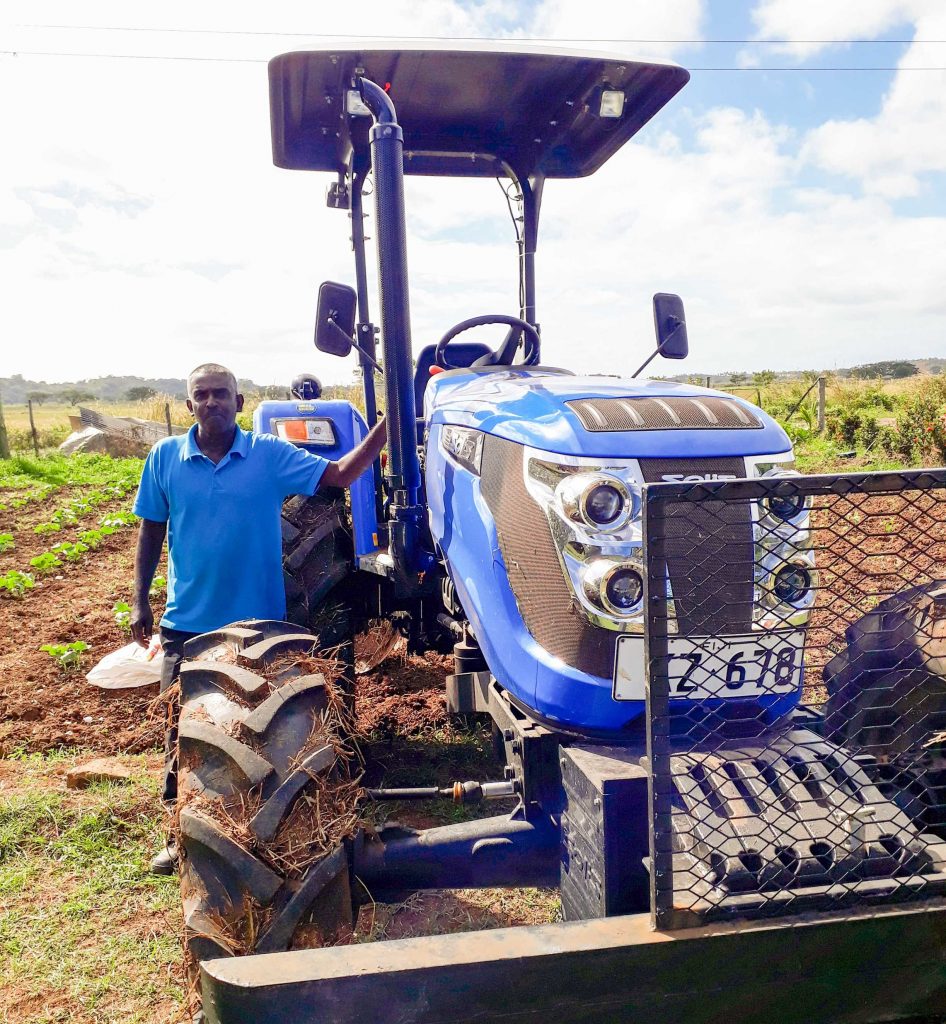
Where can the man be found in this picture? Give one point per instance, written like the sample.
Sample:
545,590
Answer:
216,492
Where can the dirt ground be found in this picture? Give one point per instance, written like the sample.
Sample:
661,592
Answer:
867,547
50,720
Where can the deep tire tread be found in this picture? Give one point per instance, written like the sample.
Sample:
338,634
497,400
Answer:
260,757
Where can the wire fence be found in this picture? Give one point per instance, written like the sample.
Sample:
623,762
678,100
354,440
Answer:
796,694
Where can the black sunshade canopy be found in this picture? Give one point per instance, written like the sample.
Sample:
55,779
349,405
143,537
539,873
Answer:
537,111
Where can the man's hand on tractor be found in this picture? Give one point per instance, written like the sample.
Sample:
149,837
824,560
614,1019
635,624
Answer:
349,467
142,622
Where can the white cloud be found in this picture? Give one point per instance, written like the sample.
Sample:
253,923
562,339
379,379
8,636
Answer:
809,26
620,20
891,152
143,227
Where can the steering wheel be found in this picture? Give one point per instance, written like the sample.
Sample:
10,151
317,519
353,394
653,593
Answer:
504,355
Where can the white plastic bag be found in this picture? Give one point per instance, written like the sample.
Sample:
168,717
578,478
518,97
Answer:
129,667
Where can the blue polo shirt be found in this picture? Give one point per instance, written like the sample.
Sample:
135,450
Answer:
224,531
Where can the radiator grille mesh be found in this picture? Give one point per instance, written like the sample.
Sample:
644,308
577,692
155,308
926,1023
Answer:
535,573
619,414
709,551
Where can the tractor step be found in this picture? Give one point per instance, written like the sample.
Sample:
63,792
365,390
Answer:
888,965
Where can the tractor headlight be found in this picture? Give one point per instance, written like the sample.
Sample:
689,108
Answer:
614,586
792,583
594,513
786,506
464,445
597,500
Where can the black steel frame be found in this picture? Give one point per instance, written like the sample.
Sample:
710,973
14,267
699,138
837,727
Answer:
660,742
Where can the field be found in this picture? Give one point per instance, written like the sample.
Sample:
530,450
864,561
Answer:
52,419
86,934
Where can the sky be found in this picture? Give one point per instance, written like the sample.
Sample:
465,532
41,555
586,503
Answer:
796,204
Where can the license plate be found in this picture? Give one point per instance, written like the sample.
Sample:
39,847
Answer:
732,666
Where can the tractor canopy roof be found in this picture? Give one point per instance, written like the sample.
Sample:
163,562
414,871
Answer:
465,112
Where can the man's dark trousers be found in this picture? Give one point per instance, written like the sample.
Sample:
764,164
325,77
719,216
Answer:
172,643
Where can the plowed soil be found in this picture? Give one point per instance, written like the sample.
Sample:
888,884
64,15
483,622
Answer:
868,547
41,706
44,708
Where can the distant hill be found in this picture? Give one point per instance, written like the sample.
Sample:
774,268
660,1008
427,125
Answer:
16,389
746,377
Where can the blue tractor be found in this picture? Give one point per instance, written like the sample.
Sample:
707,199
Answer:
511,521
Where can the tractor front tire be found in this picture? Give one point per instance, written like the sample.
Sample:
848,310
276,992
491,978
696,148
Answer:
266,805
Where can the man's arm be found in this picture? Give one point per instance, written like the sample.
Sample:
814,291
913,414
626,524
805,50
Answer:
150,542
350,466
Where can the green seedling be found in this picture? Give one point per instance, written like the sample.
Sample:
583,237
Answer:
44,528
70,552
46,562
122,611
119,519
158,586
17,502
91,538
6,542
67,656
15,583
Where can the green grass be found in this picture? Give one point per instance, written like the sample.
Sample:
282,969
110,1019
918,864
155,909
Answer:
86,933
820,454
55,470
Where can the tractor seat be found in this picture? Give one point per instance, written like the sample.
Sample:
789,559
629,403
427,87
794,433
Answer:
462,353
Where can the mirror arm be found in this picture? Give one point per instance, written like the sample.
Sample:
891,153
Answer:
679,323
354,344
645,363
370,360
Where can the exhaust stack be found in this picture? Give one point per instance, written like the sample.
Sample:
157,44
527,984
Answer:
387,161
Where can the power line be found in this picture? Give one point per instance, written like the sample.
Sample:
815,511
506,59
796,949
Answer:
264,60
483,39
135,56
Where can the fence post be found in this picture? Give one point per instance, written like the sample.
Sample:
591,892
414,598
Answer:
4,443
821,403
708,379
167,417
29,406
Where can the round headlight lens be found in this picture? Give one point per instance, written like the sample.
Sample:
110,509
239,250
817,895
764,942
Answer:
786,506
603,504
617,588
599,501
623,589
792,583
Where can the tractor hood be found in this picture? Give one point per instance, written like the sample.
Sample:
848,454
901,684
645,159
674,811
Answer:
570,415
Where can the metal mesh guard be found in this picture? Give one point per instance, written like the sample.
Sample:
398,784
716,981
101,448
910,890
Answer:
799,764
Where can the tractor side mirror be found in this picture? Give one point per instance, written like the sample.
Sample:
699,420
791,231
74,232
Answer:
671,326
335,319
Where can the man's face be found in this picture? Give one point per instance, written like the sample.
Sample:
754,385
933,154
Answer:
214,403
